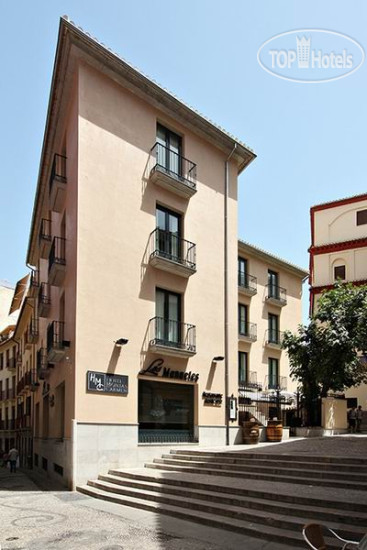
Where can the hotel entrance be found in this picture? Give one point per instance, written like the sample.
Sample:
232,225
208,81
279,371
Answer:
166,412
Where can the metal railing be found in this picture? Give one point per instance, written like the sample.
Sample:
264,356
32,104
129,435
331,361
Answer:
35,278
274,337
247,281
8,393
274,382
7,424
45,229
58,171
250,382
249,330
276,293
55,335
172,334
11,363
41,361
57,253
173,164
166,244
33,331
166,436
44,295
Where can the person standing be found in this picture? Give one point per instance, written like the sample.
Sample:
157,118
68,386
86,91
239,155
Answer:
13,457
359,416
352,420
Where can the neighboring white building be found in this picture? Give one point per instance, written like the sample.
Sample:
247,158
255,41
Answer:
339,251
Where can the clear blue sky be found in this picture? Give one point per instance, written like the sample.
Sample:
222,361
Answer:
310,138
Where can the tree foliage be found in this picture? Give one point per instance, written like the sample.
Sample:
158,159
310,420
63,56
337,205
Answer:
325,355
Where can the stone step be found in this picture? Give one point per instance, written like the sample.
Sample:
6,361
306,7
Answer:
222,485
206,470
267,531
320,512
242,459
276,456
283,471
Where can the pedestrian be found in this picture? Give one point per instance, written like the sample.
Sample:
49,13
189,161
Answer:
359,416
352,414
13,457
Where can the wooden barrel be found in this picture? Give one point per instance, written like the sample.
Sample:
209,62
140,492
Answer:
250,431
274,430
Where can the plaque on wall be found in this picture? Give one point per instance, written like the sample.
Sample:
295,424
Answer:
102,382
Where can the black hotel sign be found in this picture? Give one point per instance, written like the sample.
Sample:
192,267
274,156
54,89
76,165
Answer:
102,382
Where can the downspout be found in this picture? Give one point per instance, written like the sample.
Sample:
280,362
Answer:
226,286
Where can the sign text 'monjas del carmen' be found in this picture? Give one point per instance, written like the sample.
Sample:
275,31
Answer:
107,383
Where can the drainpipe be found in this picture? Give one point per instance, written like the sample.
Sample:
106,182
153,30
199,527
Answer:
226,286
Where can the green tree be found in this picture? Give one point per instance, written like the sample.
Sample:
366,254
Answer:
326,354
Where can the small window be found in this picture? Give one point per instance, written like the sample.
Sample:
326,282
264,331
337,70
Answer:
339,272
362,217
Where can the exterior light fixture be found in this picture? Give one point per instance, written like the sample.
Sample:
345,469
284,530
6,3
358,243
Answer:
218,358
121,342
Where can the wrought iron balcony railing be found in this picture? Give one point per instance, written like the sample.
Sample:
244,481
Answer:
57,253
34,280
248,330
55,336
45,230
170,246
33,331
250,382
274,337
174,165
58,171
276,293
274,382
246,281
42,363
172,334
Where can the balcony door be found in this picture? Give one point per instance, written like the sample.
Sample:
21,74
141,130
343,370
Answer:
168,313
242,272
168,235
273,373
169,150
273,325
273,282
243,319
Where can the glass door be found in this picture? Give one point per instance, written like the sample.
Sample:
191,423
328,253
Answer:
242,319
169,150
168,313
273,284
168,234
242,272
273,325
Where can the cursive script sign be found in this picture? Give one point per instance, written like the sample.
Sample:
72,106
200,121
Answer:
157,368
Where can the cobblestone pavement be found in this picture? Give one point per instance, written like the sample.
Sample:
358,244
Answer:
36,519
341,445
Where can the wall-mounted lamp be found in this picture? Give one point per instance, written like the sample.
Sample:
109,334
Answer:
218,358
121,342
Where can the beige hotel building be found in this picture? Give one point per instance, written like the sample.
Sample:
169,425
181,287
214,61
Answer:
136,273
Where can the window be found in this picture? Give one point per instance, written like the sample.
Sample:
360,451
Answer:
273,284
242,319
168,313
273,326
339,272
362,217
273,373
169,150
242,272
242,368
169,233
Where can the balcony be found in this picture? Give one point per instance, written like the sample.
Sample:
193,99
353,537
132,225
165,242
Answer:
57,262
173,338
247,284
44,300
34,283
274,338
276,295
11,364
172,171
45,239
250,383
56,345
171,253
247,332
42,364
32,333
58,183
274,382
8,394
7,425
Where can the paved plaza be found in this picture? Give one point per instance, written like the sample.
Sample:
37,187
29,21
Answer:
38,515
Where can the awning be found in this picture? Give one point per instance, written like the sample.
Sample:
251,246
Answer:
19,292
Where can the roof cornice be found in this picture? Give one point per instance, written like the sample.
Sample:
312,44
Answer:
248,248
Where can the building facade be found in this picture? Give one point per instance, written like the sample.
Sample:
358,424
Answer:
269,302
339,252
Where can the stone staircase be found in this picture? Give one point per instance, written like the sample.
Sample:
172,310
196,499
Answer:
270,496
